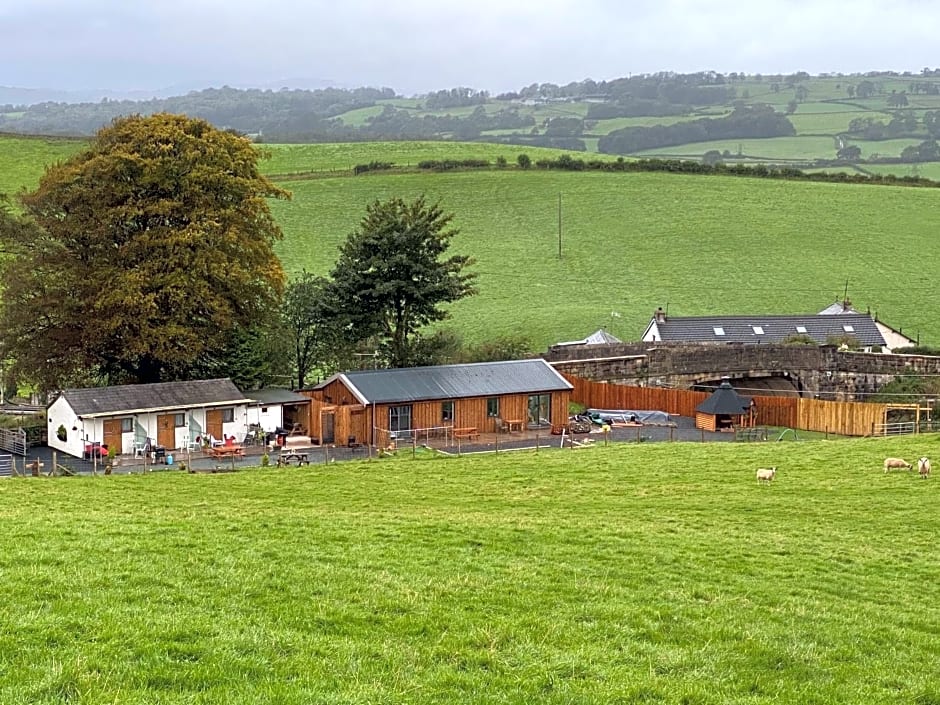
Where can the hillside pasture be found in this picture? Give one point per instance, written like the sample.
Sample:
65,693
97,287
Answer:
778,149
24,159
703,245
656,573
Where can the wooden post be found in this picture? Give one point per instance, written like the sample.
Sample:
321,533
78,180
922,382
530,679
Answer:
703,435
497,439
414,445
55,463
536,441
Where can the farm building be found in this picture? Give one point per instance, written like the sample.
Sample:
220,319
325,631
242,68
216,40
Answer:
894,338
379,406
173,414
725,410
759,329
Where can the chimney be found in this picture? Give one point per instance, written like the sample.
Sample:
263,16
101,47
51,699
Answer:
659,315
846,304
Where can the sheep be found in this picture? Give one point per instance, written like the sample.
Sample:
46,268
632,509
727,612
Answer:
895,463
766,474
923,467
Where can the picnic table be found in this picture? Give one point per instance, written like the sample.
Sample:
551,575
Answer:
469,433
294,455
223,451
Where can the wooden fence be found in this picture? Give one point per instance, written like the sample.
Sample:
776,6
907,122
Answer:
842,418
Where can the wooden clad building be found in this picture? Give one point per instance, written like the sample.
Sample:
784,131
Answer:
377,406
724,410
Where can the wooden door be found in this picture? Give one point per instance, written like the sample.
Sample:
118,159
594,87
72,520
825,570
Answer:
214,423
166,431
328,424
112,435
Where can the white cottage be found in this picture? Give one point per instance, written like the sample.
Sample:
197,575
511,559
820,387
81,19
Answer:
173,414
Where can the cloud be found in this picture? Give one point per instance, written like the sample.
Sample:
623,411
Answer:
420,45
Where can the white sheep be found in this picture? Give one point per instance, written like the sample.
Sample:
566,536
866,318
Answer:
923,467
896,463
766,474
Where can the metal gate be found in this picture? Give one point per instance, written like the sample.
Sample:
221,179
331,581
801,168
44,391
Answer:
13,440
6,465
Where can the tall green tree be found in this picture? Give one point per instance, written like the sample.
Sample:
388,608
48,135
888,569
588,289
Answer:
393,276
138,256
315,326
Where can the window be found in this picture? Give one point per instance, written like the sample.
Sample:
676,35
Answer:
127,425
447,411
848,329
492,407
540,409
264,409
719,330
228,415
179,420
801,329
399,418
758,330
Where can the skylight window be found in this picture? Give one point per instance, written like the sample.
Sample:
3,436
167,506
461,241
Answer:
801,329
758,330
719,330
848,329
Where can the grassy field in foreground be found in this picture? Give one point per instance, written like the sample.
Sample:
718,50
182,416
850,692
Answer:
703,245
655,573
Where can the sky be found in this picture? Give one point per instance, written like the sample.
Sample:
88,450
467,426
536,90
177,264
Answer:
416,46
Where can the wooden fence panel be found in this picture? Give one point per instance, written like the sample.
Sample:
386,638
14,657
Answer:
842,418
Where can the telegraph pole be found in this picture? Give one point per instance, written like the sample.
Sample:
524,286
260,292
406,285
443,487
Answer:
559,226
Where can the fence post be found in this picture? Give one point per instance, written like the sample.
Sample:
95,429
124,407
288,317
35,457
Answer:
497,439
414,445
703,435
536,441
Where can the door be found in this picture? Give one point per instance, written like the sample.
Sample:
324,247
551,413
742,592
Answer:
540,409
166,431
112,435
328,421
214,423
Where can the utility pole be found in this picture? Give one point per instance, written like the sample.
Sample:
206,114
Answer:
559,226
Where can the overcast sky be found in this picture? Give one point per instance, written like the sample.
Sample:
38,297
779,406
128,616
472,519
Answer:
416,46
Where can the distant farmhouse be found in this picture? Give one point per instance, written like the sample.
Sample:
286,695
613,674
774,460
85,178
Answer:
822,328
894,338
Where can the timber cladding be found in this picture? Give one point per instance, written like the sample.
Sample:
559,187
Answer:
333,421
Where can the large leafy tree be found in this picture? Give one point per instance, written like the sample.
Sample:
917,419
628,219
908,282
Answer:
140,256
314,325
392,276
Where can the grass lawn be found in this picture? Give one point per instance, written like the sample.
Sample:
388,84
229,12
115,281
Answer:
632,242
659,573
24,159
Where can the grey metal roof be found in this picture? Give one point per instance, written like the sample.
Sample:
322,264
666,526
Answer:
776,329
272,395
598,337
480,379
135,398
724,400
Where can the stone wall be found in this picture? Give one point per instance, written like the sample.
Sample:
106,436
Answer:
811,370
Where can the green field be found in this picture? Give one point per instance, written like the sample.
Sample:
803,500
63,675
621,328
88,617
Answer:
653,573
24,159
632,242
782,149
301,158
702,245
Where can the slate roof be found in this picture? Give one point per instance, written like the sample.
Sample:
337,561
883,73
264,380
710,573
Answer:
271,395
725,400
142,398
480,379
775,329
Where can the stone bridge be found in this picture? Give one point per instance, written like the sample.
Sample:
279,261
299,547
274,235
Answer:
808,370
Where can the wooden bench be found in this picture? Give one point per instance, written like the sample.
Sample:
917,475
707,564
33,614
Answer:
468,433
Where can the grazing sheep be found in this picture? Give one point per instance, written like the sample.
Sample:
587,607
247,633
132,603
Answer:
766,474
923,467
896,463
